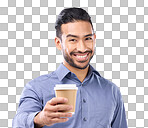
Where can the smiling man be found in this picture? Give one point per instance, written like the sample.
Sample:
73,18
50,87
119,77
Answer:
77,44
99,103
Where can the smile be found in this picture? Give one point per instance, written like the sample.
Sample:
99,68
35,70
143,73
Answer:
81,56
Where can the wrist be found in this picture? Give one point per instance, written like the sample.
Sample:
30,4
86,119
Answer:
37,121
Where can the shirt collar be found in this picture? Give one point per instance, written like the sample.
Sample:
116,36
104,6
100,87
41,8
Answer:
62,71
92,70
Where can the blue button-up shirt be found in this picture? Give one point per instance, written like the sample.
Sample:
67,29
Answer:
99,103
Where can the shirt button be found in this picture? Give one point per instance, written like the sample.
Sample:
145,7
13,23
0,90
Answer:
84,100
84,119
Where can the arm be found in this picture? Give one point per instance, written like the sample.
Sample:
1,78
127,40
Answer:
31,112
119,119
29,106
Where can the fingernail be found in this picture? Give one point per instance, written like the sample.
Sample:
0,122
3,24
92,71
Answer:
70,107
66,100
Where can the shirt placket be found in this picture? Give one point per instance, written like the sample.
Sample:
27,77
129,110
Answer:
84,104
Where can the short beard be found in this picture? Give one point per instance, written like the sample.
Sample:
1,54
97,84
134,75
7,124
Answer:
71,62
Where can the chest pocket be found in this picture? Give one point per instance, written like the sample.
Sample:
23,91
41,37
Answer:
104,117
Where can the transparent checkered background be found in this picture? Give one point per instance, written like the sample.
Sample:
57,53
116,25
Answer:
27,49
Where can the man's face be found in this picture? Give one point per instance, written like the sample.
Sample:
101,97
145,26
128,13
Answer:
78,43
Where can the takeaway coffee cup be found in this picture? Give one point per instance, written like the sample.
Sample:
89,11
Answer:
68,91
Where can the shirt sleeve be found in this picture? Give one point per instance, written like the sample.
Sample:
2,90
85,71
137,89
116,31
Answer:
30,104
119,118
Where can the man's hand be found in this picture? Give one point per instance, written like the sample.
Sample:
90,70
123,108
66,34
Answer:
53,112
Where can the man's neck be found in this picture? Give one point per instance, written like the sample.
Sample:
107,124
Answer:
80,73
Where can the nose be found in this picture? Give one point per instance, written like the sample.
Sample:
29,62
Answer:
81,46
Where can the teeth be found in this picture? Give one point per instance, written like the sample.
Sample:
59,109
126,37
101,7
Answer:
81,56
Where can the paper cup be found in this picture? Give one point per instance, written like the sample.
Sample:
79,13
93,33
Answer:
68,91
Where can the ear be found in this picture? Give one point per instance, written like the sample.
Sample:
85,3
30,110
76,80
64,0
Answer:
95,38
94,35
58,43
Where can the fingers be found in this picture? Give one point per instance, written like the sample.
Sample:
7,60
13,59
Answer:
60,114
59,120
59,100
51,121
60,107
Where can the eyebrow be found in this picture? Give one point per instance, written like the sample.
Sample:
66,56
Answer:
70,35
89,35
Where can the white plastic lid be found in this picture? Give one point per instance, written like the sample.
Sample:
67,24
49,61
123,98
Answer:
65,86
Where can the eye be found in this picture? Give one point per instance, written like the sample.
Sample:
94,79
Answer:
88,38
72,40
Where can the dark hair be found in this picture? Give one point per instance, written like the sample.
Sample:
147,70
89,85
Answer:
71,15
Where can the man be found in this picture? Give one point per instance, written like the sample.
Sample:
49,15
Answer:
99,103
